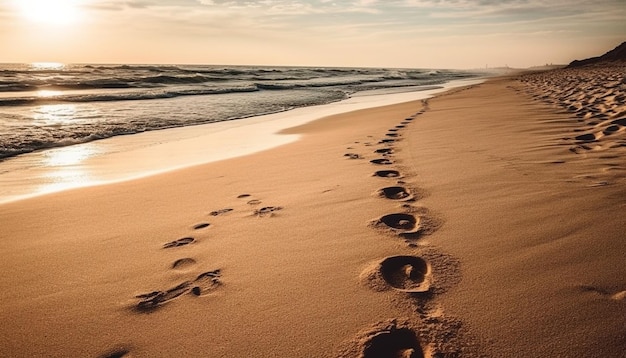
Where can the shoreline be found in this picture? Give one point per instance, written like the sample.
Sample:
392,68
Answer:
140,155
459,226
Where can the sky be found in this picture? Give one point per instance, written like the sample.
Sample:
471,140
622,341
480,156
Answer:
458,34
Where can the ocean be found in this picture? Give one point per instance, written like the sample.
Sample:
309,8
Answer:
50,105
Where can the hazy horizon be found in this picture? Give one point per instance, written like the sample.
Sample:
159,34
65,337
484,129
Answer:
459,34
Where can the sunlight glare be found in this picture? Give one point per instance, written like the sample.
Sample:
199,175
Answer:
65,178
54,114
51,12
48,93
47,66
68,156
66,168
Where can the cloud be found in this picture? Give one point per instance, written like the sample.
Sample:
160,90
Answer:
137,4
371,17
341,28
295,6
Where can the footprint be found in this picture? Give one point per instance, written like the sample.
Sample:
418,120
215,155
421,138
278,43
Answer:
201,226
220,212
610,294
353,156
590,137
387,174
384,151
203,284
391,134
384,141
406,273
206,282
381,161
580,149
254,202
611,129
116,353
395,193
152,300
243,196
401,223
394,341
267,211
179,242
183,263
400,126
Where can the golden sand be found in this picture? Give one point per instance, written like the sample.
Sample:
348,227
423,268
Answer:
468,225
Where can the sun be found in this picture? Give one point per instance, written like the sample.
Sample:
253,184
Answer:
51,12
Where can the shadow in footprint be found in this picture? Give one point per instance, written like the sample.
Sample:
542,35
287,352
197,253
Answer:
183,263
220,212
393,342
381,161
384,151
243,196
604,293
406,273
152,300
611,129
395,193
203,284
206,282
180,242
412,225
267,211
201,226
586,138
116,353
401,223
353,156
387,174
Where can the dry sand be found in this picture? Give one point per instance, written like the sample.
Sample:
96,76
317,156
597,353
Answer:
472,224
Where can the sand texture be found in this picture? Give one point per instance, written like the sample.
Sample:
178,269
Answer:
474,224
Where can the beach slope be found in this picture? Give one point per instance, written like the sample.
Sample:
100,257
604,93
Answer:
472,224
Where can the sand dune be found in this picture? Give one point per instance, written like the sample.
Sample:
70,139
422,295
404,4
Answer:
596,95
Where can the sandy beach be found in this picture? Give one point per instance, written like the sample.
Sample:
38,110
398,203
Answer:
485,222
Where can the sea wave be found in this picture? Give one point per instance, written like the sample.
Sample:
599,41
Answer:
63,105
125,96
77,77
